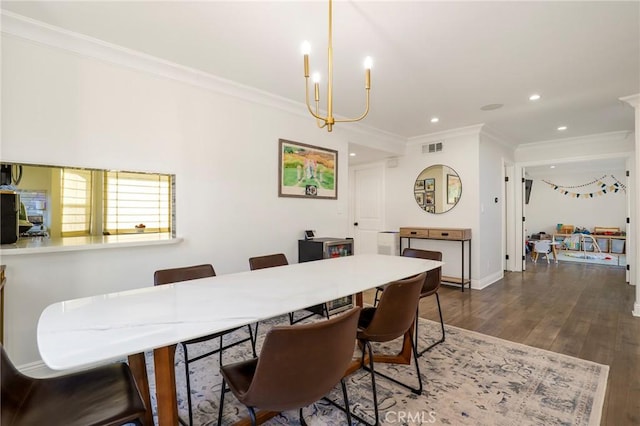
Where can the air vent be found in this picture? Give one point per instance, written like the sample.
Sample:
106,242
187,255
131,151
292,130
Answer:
432,147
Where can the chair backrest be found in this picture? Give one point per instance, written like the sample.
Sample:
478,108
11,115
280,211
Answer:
186,273
396,310
268,261
300,364
15,388
542,246
434,276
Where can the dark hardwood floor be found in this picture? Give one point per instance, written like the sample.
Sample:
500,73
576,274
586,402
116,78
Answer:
576,309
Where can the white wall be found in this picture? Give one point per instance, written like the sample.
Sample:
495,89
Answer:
461,153
65,108
548,207
491,233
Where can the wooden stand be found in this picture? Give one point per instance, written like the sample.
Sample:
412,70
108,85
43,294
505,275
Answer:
449,234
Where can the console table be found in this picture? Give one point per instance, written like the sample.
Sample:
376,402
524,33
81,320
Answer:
447,234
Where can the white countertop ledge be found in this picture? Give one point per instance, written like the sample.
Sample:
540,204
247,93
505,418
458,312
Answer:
40,245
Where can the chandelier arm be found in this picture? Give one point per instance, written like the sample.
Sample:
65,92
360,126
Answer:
306,86
364,114
321,123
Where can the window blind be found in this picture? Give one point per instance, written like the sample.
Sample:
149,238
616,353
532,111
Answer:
76,202
132,199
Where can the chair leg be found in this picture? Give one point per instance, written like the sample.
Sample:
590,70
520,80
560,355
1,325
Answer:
302,422
373,380
252,415
188,382
253,340
346,401
418,390
376,299
325,308
441,326
221,406
290,318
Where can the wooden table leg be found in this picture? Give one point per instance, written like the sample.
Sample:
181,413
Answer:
138,367
163,360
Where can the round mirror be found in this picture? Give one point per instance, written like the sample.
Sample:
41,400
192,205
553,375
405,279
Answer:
437,189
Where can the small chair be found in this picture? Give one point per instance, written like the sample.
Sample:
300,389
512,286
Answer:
187,273
273,260
541,247
431,286
106,395
298,365
392,318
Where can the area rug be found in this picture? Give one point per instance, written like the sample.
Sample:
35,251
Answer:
470,379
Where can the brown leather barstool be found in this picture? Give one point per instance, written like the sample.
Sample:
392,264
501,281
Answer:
298,365
279,259
105,395
392,318
430,287
187,273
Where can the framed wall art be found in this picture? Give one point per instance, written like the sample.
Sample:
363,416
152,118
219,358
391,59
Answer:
430,198
454,188
430,184
307,171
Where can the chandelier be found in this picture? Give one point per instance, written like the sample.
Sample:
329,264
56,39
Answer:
328,121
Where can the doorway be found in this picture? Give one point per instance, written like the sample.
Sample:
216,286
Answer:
367,205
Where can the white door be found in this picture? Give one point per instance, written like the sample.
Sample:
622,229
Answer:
367,206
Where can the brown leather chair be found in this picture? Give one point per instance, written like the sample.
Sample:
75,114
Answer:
279,259
298,365
430,287
105,395
390,319
187,273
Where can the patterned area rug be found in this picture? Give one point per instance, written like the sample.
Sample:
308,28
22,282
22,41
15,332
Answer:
470,379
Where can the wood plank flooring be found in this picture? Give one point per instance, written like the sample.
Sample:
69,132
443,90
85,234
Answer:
576,309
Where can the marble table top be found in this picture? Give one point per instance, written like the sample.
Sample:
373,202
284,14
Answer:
91,330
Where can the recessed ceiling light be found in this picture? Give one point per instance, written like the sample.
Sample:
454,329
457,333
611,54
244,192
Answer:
491,107
562,128
434,119
552,167
534,97
352,154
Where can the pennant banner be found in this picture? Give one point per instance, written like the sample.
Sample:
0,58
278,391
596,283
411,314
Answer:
604,188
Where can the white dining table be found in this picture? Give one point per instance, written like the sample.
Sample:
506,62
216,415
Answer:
92,330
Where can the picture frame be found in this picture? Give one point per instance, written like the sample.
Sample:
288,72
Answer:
430,209
419,186
420,198
454,188
430,198
307,171
430,184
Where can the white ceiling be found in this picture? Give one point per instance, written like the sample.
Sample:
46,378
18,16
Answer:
444,59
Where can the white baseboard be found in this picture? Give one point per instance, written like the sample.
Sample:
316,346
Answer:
487,281
636,310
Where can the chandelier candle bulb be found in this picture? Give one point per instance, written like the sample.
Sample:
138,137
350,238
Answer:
306,49
328,121
367,72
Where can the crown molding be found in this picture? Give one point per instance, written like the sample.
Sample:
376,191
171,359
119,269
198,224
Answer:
473,130
633,100
617,136
497,137
39,32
